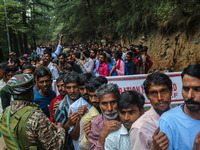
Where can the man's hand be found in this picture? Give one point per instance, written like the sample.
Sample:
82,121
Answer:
55,105
58,125
196,145
160,141
87,128
82,110
71,120
82,62
110,126
54,64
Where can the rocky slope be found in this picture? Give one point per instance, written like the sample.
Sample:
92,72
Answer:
173,52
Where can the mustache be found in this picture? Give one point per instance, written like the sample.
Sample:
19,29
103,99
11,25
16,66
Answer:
191,101
110,113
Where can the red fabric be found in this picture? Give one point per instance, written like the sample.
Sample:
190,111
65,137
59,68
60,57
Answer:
118,65
57,98
103,70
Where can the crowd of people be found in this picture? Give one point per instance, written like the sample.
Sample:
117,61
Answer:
90,113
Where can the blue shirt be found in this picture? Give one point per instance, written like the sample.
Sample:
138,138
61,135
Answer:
34,90
118,140
44,101
110,67
57,52
180,129
96,66
74,107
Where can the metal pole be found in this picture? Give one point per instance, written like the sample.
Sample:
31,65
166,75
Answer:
8,36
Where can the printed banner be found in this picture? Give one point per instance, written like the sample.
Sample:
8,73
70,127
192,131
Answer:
130,82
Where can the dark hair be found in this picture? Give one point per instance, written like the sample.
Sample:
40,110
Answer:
3,66
130,98
133,50
10,69
118,54
77,55
94,50
145,48
47,52
130,54
108,51
62,54
16,61
67,55
23,58
102,80
27,66
103,55
93,84
60,78
192,70
42,72
86,53
84,77
158,79
71,77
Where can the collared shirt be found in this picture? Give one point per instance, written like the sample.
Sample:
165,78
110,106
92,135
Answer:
118,140
74,107
57,98
180,129
2,84
81,66
61,113
121,70
89,65
96,66
103,70
83,142
53,70
97,125
143,129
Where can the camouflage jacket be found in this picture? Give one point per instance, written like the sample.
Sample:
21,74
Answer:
39,129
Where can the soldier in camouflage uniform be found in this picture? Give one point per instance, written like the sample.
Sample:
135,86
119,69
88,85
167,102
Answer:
23,124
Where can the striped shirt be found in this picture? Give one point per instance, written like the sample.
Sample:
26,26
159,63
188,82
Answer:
61,112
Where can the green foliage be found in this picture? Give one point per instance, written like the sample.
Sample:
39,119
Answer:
39,21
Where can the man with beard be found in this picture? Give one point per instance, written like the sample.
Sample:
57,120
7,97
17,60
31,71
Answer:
158,89
45,95
56,101
182,123
130,108
92,85
108,120
49,64
69,115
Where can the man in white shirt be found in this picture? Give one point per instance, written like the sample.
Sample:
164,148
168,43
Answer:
88,64
130,108
49,64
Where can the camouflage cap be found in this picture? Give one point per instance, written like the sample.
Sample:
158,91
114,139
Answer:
20,84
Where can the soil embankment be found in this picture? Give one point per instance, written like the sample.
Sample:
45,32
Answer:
173,52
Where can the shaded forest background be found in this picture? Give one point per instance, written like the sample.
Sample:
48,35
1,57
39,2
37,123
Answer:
34,22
